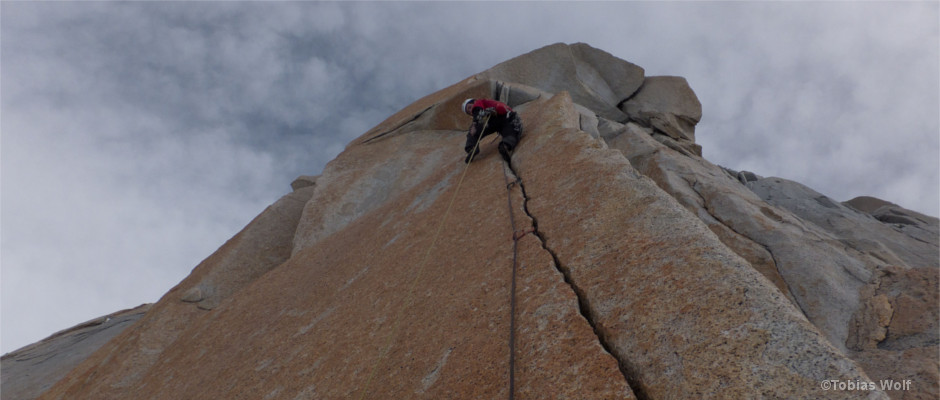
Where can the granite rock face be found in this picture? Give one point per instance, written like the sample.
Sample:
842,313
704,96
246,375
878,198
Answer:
31,370
669,106
607,260
593,78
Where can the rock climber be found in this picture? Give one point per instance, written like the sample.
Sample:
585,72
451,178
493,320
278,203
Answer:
501,119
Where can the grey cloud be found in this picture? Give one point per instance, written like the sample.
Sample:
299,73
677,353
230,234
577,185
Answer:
131,128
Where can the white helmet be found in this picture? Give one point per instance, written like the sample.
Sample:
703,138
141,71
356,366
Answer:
464,105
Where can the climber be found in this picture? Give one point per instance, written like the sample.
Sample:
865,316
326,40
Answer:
501,119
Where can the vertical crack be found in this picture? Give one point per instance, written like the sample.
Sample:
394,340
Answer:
584,307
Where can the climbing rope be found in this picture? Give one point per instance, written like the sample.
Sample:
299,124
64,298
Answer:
512,296
421,266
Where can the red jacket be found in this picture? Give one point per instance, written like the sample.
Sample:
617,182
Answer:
501,108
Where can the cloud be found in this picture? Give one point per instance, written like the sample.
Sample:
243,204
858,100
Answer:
831,95
130,129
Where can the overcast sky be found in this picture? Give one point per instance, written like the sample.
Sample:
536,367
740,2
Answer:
138,137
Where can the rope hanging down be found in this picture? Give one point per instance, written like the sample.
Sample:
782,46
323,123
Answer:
421,266
516,235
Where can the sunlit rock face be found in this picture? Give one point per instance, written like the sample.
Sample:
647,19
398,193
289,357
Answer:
607,260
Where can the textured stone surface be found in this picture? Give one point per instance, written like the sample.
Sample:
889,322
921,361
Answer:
867,204
879,239
316,326
643,270
264,244
821,254
28,372
813,267
303,181
668,106
663,291
895,334
594,78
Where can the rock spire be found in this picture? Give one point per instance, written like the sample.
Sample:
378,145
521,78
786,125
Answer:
641,269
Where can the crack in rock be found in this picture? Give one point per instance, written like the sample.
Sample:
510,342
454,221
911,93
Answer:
584,306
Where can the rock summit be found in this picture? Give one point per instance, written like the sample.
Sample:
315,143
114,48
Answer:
608,260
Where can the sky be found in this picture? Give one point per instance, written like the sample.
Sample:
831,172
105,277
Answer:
137,137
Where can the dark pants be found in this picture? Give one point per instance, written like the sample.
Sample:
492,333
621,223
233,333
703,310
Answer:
508,126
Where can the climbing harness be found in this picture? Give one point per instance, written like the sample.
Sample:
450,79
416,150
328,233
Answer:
421,266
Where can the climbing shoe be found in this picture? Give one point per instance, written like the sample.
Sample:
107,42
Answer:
505,151
470,156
